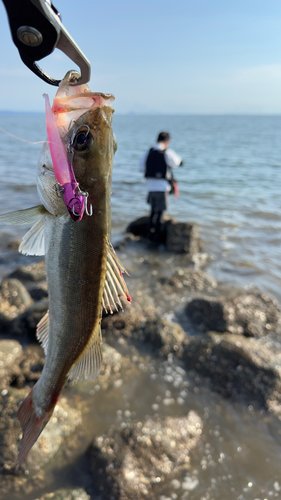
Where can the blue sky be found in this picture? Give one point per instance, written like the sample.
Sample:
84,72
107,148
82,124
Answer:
180,56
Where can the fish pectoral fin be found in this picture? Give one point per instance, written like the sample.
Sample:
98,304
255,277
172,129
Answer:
89,363
21,217
115,286
33,242
42,332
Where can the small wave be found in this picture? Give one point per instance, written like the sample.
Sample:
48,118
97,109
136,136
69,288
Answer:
265,215
22,187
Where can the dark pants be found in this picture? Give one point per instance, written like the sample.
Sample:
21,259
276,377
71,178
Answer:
159,202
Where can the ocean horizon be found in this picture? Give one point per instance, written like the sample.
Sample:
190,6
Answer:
152,113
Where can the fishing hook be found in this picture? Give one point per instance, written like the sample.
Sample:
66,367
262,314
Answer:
91,210
74,213
88,212
86,206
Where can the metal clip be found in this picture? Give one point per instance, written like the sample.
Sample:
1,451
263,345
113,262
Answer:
37,30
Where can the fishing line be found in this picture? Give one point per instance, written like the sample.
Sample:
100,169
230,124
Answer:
19,138
25,140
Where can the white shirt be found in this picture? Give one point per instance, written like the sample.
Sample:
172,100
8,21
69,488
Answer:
172,160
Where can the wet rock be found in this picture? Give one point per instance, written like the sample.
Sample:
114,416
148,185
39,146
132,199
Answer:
27,322
77,494
9,428
63,422
138,227
14,245
179,237
207,314
112,363
256,314
189,280
14,299
10,351
160,335
146,327
27,368
250,314
131,462
182,237
128,238
33,272
38,292
239,368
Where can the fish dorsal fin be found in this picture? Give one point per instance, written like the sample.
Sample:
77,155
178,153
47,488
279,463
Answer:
89,363
42,332
21,217
33,242
115,286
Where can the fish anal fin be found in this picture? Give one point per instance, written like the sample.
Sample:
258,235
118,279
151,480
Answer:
42,332
32,426
21,217
89,363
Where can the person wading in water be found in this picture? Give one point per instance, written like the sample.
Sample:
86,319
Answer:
157,165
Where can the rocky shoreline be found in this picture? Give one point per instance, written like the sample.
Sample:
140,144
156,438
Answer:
182,332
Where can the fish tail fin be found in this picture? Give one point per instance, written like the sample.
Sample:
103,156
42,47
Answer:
32,426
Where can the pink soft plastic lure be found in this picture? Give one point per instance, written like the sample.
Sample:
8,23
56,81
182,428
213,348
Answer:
74,202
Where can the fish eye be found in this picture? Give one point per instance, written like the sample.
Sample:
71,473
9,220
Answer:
82,140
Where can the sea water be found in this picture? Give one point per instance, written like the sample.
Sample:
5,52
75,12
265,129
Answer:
229,184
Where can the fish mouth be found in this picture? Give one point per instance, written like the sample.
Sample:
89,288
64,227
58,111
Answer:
66,90
81,101
71,102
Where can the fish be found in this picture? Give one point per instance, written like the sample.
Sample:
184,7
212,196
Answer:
84,275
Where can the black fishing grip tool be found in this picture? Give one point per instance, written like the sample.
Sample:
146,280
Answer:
37,30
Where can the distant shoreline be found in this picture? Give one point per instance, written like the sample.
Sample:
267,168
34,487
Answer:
7,112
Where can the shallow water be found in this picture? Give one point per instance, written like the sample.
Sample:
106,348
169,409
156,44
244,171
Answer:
230,461
237,457
230,185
